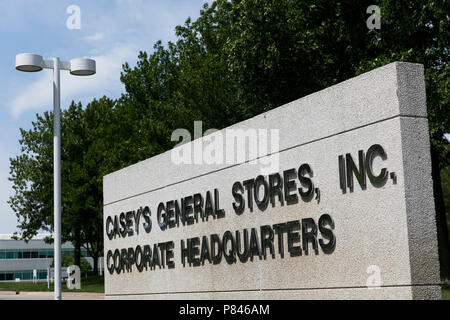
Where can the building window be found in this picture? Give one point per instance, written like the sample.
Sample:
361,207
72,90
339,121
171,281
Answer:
23,275
27,276
66,252
25,254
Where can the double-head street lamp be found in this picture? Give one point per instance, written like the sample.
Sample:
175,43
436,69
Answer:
29,62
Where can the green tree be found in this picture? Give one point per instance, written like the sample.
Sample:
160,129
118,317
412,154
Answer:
66,261
84,161
445,179
244,57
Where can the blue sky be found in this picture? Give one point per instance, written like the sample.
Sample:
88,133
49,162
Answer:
111,31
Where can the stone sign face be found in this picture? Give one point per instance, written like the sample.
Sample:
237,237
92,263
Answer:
336,204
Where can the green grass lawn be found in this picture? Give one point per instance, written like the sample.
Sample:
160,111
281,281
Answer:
446,293
90,284
97,284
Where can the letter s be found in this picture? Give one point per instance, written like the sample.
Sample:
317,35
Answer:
148,223
237,187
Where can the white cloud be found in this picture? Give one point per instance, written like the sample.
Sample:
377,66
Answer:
33,96
95,37
7,217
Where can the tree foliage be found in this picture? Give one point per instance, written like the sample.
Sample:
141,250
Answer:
243,57
84,161
68,260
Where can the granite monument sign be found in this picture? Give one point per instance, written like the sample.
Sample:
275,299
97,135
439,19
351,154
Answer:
337,205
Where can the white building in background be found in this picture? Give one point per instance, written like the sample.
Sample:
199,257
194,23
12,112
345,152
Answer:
18,258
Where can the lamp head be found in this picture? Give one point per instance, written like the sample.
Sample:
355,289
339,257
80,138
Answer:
82,67
29,62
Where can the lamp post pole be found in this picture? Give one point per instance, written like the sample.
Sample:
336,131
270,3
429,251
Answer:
29,62
57,176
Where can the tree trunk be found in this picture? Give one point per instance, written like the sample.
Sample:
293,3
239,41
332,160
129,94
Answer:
77,248
95,257
441,221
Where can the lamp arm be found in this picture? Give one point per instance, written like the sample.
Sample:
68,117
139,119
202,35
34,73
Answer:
63,65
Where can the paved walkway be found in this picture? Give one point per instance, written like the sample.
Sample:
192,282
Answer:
12,295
